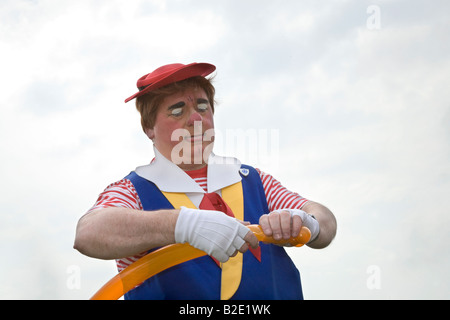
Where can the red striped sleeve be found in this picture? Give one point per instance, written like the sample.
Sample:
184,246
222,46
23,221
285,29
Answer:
278,197
125,262
120,194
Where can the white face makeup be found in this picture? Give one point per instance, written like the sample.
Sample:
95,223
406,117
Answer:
186,116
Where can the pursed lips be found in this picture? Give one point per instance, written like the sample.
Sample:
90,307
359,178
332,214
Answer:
194,138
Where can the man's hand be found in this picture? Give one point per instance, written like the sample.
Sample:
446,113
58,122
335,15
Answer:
286,223
214,232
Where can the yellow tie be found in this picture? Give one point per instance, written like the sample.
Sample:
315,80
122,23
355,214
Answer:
232,269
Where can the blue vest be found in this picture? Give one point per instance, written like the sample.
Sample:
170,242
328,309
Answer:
275,277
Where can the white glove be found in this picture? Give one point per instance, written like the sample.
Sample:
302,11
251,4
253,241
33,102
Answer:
308,221
211,231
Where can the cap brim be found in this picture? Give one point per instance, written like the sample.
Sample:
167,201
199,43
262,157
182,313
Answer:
186,72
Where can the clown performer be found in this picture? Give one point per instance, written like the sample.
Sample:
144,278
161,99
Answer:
186,195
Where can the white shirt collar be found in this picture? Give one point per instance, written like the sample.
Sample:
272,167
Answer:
168,177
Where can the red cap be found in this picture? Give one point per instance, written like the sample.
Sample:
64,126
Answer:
169,74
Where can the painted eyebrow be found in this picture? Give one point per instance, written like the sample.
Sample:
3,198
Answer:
182,104
201,100
177,105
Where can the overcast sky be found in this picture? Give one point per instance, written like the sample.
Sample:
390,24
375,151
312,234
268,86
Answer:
351,99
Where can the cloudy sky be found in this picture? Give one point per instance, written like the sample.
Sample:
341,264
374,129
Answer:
349,101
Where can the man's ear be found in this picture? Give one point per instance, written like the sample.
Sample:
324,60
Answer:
150,133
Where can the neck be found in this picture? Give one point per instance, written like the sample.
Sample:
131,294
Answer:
199,173
191,167
189,164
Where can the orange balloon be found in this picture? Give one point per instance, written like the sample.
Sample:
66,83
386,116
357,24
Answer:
302,238
169,256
